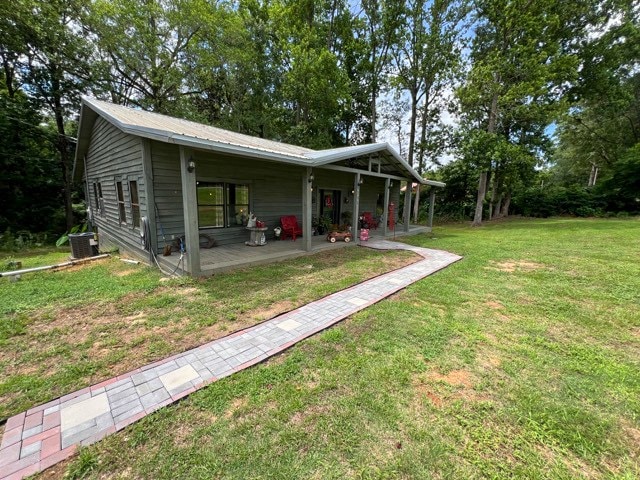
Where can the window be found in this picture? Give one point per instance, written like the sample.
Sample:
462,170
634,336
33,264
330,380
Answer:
222,204
97,197
135,203
122,214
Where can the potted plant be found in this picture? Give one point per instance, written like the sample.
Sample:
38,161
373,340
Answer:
346,217
324,224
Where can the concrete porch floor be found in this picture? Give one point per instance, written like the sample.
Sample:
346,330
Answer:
238,255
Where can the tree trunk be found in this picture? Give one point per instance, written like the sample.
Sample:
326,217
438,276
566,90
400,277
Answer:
63,147
416,204
412,127
494,209
482,181
498,206
482,191
374,114
421,162
505,206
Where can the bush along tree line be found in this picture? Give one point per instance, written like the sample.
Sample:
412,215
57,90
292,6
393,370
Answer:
535,105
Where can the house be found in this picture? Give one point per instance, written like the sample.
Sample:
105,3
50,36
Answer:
151,179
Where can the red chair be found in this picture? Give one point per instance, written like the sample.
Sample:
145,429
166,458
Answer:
369,220
290,227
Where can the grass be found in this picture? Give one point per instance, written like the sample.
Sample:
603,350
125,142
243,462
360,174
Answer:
63,330
522,360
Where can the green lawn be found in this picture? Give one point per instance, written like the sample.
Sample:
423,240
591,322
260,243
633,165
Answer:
522,360
67,329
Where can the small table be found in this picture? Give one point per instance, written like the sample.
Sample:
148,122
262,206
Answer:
255,236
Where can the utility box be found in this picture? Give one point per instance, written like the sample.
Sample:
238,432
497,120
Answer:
81,244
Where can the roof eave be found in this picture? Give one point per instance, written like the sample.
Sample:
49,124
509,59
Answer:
320,159
188,141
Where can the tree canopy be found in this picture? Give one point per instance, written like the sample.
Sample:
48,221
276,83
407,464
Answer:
526,99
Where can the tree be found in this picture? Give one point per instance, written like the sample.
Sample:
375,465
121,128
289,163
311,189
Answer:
31,195
148,48
381,21
516,85
426,59
49,59
604,121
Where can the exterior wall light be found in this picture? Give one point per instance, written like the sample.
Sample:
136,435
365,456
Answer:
191,166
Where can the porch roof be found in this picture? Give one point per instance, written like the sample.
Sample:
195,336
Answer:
167,129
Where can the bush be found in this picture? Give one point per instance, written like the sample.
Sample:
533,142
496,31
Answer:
581,202
22,240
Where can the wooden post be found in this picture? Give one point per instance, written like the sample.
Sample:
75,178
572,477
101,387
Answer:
190,209
407,205
356,206
307,234
432,201
385,211
147,172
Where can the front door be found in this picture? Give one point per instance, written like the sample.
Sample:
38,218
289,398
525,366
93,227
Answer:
330,205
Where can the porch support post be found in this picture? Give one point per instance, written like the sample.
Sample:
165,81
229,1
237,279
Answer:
407,205
190,209
385,212
432,201
147,171
356,206
306,209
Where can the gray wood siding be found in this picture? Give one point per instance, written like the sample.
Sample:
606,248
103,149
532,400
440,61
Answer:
167,188
343,181
115,156
275,190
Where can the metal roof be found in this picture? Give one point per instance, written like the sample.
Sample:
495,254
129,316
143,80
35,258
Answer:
184,132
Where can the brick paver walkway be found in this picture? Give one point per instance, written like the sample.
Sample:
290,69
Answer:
45,435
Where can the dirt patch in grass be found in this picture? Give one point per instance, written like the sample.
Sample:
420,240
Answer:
442,389
455,378
124,273
513,266
494,305
272,310
575,465
236,404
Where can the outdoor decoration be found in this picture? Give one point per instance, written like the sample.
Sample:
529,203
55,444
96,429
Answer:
364,234
241,218
392,216
251,222
334,236
277,231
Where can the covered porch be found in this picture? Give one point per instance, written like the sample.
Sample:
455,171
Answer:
238,255
339,184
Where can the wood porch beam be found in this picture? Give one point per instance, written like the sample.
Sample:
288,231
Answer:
363,172
307,233
407,206
356,206
432,201
385,211
190,209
